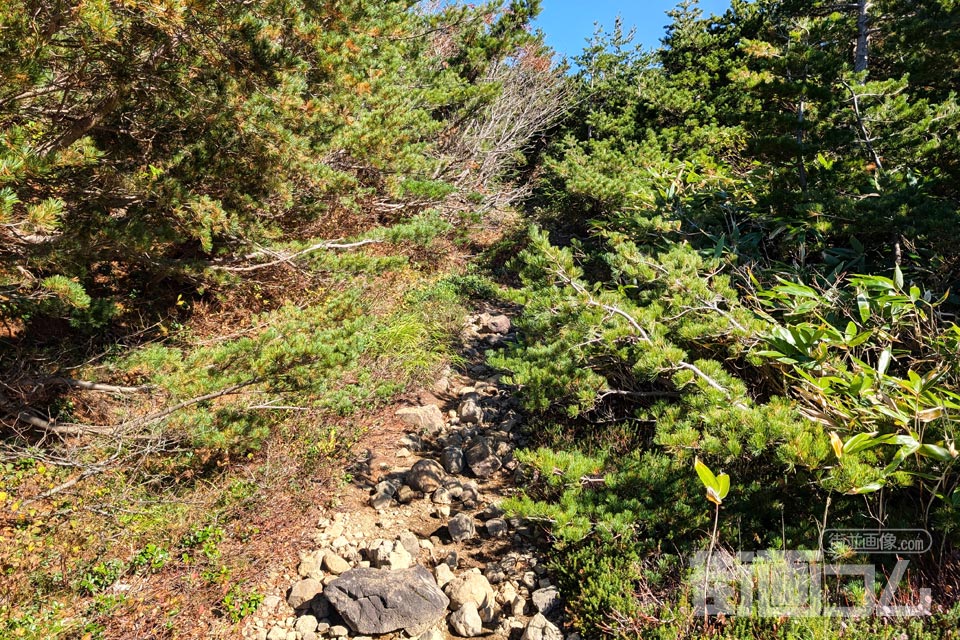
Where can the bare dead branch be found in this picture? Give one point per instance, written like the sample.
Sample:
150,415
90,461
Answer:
289,258
97,386
125,428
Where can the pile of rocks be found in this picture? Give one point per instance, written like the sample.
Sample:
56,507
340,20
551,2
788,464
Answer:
359,582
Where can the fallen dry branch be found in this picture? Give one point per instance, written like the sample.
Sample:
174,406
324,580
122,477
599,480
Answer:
289,258
125,428
97,386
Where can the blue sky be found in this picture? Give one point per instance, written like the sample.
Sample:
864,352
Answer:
569,23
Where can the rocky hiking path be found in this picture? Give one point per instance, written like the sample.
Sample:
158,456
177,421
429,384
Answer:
418,547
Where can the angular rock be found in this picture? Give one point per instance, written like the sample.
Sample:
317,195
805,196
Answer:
410,542
496,527
517,605
382,496
406,495
339,631
375,601
444,574
539,628
306,624
309,567
427,418
488,613
426,476
481,459
389,555
432,634
546,600
334,563
452,460
495,574
466,621
499,324
441,496
471,587
462,527
507,593
399,558
469,494
470,412
303,592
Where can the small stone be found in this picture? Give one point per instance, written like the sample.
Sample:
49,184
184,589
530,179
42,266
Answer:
399,558
452,460
462,527
497,324
470,493
539,628
323,627
277,633
517,606
443,573
546,600
382,495
427,418
426,544
335,529
334,563
338,631
271,602
306,624
441,496
529,580
410,542
466,621
432,634
309,635
469,588
403,452
426,476
481,459
309,567
495,574
443,511
303,591
470,412
406,495
496,527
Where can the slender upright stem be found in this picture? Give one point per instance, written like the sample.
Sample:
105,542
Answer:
706,569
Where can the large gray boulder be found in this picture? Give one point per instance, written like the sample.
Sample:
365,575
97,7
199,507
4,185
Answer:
376,601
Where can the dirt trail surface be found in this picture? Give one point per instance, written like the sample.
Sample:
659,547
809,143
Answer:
417,546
